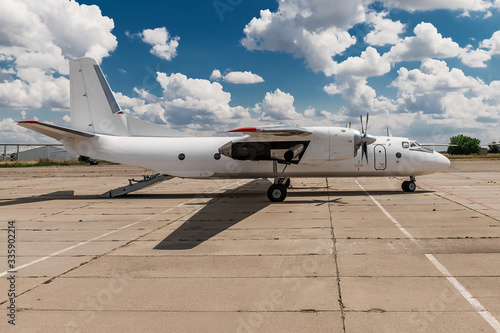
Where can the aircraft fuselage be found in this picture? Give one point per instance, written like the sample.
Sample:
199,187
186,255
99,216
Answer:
199,157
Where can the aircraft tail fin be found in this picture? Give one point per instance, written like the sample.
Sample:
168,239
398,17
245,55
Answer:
93,105
94,108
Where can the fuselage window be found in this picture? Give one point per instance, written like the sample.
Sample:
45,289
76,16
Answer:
406,145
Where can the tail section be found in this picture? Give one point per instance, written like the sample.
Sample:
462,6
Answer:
94,108
93,105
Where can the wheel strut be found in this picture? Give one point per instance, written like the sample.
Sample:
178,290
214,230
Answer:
277,191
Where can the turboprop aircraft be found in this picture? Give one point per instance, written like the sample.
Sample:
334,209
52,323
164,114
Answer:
101,130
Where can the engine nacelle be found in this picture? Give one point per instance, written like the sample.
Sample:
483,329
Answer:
331,144
342,143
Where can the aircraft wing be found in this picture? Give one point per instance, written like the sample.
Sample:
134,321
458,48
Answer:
56,132
280,143
272,131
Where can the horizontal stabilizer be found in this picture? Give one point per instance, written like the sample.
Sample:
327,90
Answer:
57,132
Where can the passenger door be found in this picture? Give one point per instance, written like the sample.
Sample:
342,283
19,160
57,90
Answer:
380,157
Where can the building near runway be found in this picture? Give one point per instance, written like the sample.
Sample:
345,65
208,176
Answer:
33,152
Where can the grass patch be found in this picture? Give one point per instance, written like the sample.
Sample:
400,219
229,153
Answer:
40,162
43,162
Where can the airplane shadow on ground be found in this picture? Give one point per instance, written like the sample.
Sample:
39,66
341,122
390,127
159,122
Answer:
58,195
222,211
231,207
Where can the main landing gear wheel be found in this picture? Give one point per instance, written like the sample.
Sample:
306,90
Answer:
408,186
276,192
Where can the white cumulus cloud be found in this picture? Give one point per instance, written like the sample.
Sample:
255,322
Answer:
315,30
492,44
433,77
474,58
277,105
38,39
236,77
216,75
427,43
164,45
385,30
242,77
474,5
186,104
369,63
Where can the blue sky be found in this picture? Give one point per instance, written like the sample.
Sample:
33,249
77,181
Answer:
427,69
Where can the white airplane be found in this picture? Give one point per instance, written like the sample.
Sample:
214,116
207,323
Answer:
100,130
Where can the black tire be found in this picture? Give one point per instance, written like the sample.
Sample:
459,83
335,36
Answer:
276,192
287,183
411,187
408,186
404,186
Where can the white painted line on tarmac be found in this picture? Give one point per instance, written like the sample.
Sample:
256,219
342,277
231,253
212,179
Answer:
461,289
111,232
474,302
396,223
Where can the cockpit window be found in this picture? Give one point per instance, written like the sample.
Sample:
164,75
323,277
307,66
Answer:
415,146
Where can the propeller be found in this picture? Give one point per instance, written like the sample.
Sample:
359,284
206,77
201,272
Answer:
364,140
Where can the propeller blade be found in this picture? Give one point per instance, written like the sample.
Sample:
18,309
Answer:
362,129
365,139
366,127
364,153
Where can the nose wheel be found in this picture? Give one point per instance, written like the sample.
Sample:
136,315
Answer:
409,185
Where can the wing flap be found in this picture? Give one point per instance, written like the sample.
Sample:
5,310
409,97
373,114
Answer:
56,132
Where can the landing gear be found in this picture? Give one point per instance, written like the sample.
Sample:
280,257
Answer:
277,192
409,186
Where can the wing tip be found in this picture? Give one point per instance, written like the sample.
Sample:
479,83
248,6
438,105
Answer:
28,122
243,130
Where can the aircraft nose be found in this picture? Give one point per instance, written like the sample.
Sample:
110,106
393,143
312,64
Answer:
442,162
